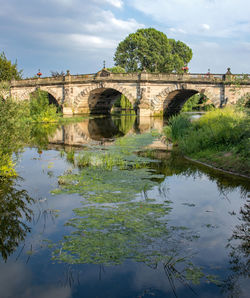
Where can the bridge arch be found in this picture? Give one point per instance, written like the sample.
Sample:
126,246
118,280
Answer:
100,98
171,99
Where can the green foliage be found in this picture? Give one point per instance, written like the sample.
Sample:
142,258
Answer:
197,102
39,134
191,104
123,103
7,169
243,102
8,70
152,50
178,127
222,130
16,131
117,69
125,122
40,109
11,115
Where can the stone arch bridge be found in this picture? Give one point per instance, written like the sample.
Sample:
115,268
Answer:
149,93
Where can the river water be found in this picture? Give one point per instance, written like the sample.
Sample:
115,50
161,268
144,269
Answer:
95,214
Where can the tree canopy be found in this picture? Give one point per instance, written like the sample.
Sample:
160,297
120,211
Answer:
117,69
150,49
8,70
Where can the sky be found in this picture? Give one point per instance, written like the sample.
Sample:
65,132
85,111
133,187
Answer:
78,35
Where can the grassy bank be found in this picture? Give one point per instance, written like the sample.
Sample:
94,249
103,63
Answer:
220,138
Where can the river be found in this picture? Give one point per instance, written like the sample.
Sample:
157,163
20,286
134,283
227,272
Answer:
94,212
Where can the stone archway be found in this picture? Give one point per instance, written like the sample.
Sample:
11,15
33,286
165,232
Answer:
175,101
99,98
174,97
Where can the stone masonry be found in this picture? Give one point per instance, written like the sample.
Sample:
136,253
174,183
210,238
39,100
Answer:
149,93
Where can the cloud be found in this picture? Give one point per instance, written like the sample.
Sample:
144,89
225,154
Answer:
55,32
177,30
224,16
205,26
64,30
116,3
91,41
107,22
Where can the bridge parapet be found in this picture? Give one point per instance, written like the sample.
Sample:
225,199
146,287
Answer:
190,77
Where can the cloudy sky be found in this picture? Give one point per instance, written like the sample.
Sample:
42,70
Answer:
79,34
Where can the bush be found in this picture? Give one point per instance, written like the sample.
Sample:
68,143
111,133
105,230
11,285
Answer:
40,109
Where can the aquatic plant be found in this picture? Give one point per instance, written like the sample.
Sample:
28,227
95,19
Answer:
118,219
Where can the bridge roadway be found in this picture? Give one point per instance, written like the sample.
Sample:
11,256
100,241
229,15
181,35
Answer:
149,93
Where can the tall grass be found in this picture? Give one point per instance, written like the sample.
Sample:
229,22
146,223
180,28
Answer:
221,130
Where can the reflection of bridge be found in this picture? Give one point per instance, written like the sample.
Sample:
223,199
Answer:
148,92
102,130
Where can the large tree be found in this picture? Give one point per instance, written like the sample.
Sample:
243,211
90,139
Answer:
8,70
152,50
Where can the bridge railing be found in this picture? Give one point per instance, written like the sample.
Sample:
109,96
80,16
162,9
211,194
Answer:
206,77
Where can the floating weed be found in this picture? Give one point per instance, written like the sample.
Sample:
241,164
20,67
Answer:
188,204
210,226
101,160
107,186
118,220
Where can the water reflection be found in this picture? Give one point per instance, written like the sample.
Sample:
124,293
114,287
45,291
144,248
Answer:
174,164
15,212
155,217
104,129
239,246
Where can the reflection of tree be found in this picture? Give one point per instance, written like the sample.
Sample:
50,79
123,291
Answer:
239,245
40,133
172,164
125,122
14,211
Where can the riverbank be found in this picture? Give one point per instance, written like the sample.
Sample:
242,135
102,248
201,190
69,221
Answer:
219,138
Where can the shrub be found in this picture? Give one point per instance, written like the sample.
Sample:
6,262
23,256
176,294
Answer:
40,109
